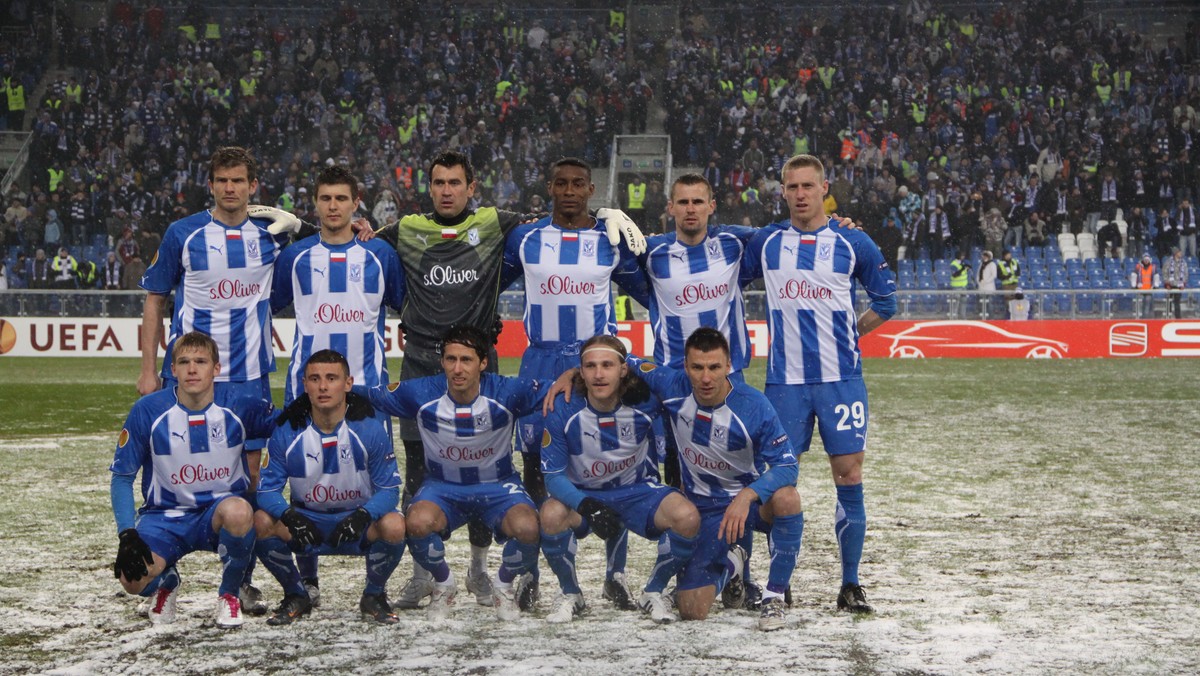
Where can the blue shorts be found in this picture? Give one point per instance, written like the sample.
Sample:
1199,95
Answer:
488,502
542,363
636,504
708,563
224,392
326,522
839,410
171,537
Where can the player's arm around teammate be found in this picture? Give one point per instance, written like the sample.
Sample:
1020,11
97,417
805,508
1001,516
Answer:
601,475
344,482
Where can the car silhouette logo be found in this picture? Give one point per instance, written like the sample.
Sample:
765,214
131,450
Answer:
967,338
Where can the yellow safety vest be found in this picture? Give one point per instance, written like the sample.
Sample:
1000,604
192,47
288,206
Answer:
637,195
624,307
616,19
248,86
75,94
16,97
958,278
212,31
56,177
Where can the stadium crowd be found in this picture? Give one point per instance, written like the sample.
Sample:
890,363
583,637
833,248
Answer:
943,129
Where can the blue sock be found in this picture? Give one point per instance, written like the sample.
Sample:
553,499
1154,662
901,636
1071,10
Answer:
307,565
747,543
236,552
430,553
674,550
785,537
382,559
519,558
727,570
560,554
616,551
277,558
850,525
168,579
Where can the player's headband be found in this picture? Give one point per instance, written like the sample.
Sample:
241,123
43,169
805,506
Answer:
605,348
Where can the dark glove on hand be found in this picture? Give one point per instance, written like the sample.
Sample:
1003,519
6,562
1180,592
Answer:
297,413
358,407
604,521
351,528
133,555
304,531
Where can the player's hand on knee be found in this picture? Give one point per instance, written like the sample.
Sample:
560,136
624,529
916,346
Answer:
604,521
133,556
304,531
281,221
621,226
351,528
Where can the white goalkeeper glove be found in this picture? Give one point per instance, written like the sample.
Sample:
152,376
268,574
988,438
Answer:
620,226
281,221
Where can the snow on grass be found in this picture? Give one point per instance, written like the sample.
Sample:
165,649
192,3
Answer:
1023,518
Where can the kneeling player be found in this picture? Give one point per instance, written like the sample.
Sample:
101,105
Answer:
194,471
727,433
466,420
344,483
601,476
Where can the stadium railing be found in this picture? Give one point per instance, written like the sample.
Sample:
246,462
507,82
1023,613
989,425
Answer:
911,304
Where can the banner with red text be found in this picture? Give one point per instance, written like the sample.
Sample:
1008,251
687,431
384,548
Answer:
95,337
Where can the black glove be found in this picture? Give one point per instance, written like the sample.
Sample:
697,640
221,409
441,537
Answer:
351,528
133,555
497,328
358,407
296,413
304,531
604,521
638,392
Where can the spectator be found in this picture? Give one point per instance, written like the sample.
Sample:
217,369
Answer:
110,272
63,267
132,273
1175,278
1145,277
1185,223
39,271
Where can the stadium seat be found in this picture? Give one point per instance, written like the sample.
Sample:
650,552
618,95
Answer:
1035,253
1070,253
1066,240
1087,245
905,265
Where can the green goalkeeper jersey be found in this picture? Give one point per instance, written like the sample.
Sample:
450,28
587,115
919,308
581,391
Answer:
452,268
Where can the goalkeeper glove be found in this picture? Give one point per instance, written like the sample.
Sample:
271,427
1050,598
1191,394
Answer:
304,531
351,528
281,221
621,226
133,555
604,521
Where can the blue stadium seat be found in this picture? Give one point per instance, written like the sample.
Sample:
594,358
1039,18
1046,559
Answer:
1057,272
905,265
1034,253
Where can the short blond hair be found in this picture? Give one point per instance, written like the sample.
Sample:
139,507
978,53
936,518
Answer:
800,162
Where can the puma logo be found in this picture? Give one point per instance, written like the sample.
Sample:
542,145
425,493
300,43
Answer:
553,246
595,435
679,256
314,456
218,249
180,435
320,271
424,239
790,249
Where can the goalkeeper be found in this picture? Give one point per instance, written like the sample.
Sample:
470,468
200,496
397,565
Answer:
452,259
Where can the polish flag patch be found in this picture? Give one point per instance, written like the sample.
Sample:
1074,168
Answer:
608,422
337,257
328,442
808,239
197,419
570,236
462,413
449,233
233,234
704,416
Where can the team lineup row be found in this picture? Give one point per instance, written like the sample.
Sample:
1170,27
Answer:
596,456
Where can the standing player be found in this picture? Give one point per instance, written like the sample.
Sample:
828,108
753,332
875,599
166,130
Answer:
466,418
339,286
219,263
338,461
452,260
568,267
729,434
814,368
602,475
195,469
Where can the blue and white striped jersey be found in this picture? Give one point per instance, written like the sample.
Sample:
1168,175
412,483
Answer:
221,276
598,450
339,291
464,443
809,279
189,459
695,286
725,448
335,472
568,275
